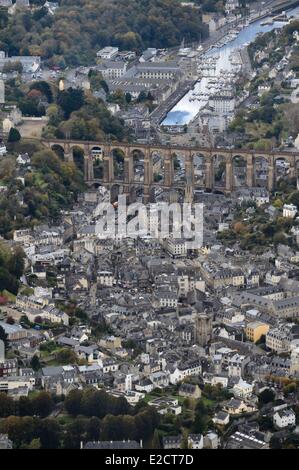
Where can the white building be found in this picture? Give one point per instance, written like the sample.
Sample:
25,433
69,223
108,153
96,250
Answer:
231,6
3,150
157,70
221,418
284,418
23,3
223,226
211,440
2,351
243,389
294,366
262,199
263,89
273,278
236,365
23,159
180,373
112,69
149,54
108,53
219,380
168,299
15,382
195,441
222,103
106,278
278,339
176,247
30,64
33,307
49,237
188,284
296,35
2,92
51,7
289,210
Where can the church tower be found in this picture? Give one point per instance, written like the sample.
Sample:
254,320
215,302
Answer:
203,329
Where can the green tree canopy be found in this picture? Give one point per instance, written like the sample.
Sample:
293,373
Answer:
14,135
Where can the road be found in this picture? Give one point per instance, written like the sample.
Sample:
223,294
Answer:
247,67
57,410
93,294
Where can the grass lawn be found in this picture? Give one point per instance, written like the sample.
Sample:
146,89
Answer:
33,393
25,290
148,397
11,297
65,419
53,363
207,401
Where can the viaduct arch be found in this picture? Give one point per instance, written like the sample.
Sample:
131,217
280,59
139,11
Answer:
147,151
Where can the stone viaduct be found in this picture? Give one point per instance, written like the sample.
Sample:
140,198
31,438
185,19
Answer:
148,151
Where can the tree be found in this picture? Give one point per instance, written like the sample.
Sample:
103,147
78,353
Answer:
290,388
128,97
34,444
20,430
40,13
105,86
72,402
42,404
294,198
49,432
8,282
75,433
118,427
16,262
35,363
14,135
93,429
70,100
184,443
117,97
146,421
13,67
275,443
7,405
142,97
266,396
3,19
265,423
67,356
25,406
4,337
201,418
156,442
44,88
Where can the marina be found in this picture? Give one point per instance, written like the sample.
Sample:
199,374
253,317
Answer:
220,66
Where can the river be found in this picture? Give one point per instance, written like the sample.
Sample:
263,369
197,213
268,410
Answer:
186,110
